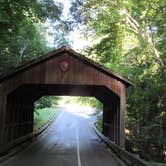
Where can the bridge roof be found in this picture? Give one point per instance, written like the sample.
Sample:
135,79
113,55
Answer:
72,53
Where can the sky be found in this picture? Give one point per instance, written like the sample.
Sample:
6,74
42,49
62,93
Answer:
78,41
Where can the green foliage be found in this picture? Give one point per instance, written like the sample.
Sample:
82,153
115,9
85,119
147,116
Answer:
43,102
43,116
23,33
99,124
46,102
129,38
87,101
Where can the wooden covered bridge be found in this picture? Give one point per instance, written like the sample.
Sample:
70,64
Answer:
60,72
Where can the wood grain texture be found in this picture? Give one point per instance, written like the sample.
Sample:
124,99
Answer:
49,73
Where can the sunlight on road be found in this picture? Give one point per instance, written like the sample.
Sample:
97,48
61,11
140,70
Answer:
84,111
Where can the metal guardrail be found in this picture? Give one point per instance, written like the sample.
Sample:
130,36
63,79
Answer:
127,157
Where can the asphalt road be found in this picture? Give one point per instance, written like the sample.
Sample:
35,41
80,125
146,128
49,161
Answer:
69,141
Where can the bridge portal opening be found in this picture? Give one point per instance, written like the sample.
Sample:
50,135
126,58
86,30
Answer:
48,107
21,105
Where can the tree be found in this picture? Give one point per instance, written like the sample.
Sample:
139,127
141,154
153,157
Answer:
131,40
22,30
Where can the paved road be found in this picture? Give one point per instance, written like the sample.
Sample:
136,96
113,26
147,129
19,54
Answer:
70,141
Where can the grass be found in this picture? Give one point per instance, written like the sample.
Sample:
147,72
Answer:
99,124
42,116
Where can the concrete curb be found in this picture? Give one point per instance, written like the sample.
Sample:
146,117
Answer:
123,155
13,148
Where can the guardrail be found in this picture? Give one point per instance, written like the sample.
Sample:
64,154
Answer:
127,157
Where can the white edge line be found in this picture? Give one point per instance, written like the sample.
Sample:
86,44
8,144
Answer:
78,149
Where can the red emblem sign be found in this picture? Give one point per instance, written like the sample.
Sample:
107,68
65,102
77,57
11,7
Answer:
64,65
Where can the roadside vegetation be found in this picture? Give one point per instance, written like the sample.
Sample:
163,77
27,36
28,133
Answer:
85,101
45,109
42,116
99,123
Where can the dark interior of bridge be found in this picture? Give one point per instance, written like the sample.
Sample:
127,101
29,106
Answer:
20,107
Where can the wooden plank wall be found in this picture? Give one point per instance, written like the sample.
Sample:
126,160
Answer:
49,73
19,118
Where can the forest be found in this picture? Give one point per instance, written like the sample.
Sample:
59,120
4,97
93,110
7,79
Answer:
128,36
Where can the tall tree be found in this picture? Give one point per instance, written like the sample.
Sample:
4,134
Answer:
130,38
23,31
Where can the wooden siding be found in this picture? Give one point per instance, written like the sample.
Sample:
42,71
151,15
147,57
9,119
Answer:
49,72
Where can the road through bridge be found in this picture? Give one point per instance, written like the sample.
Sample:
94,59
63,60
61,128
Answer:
69,141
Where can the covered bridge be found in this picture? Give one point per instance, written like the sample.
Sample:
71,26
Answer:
60,72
